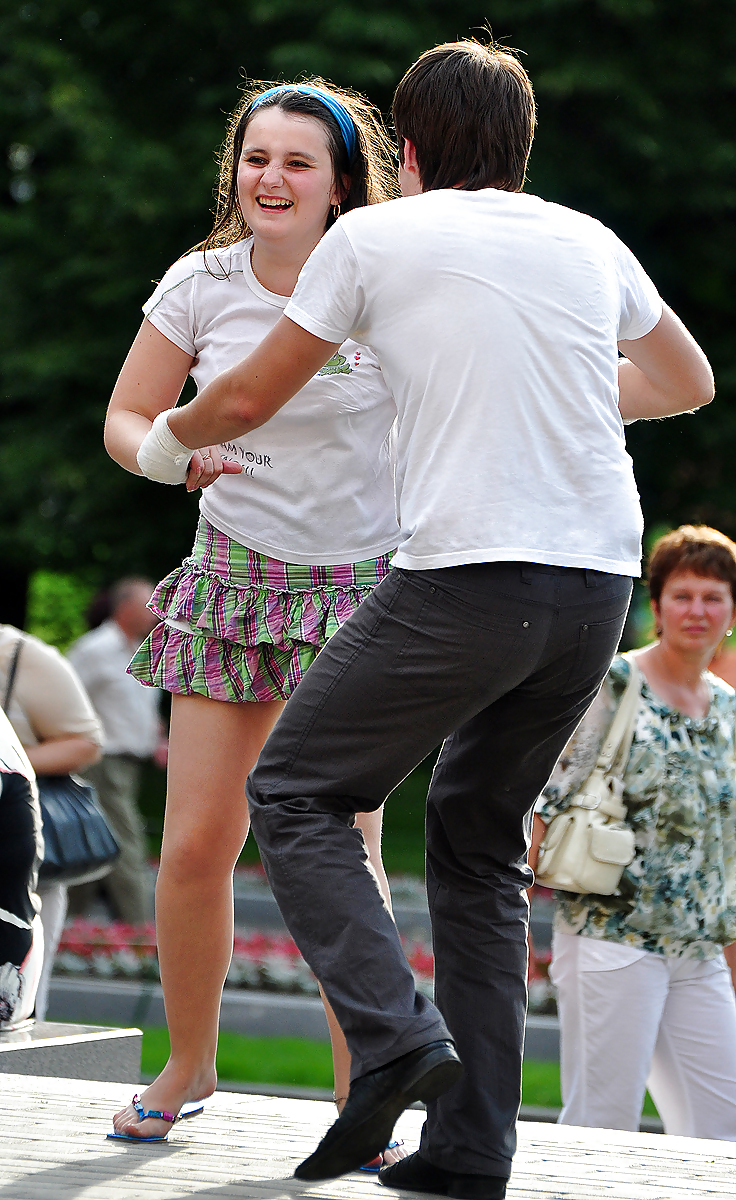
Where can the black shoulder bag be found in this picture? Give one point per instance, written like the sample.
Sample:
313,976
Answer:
79,845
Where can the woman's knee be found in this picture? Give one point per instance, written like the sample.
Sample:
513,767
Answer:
199,855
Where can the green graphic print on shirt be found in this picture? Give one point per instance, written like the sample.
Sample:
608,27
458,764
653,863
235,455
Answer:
678,896
338,365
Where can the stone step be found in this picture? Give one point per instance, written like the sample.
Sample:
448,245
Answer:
245,1147
72,1051
256,1014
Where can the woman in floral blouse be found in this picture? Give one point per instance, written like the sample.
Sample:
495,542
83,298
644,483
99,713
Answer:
645,990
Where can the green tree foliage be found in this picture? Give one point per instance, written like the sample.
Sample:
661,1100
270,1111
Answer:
110,115
56,607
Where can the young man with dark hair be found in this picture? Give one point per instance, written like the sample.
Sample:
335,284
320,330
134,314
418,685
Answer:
468,110
497,319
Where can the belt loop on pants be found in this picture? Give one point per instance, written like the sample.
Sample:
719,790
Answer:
590,578
527,575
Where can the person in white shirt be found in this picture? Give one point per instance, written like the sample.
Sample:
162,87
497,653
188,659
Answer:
21,930
497,320
133,732
53,718
296,527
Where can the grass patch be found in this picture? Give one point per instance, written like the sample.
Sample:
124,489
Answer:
541,1084
403,822
253,1060
303,1063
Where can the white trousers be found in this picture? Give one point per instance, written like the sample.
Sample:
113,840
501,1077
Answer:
53,914
630,1019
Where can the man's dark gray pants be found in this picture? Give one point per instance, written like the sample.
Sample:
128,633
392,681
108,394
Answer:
502,661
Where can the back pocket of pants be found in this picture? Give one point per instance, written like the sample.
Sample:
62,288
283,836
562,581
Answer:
597,643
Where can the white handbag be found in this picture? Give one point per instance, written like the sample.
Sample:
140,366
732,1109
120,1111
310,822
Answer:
587,847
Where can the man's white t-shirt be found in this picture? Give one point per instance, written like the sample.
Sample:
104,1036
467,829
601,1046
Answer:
495,317
318,485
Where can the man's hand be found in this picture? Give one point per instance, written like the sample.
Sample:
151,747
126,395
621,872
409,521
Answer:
538,831
163,458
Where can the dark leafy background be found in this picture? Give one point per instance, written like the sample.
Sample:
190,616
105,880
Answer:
111,114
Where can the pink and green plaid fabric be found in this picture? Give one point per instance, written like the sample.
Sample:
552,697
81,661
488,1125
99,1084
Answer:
254,624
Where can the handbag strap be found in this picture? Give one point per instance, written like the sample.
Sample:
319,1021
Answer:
12,673
617,743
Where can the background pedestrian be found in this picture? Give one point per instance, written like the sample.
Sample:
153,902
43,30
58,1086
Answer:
60,733
645,992
133,732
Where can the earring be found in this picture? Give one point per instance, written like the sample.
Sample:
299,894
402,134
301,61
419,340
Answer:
729,632
335,211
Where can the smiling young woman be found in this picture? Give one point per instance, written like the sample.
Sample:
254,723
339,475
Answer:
296,528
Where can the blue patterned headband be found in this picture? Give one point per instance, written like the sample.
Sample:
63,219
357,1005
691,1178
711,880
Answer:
338,110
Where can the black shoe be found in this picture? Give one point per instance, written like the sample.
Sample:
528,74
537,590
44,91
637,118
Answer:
415,1174
375,1103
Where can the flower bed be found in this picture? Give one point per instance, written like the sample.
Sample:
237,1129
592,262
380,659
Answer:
405,889
260,962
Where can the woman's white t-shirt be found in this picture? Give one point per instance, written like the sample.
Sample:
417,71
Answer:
495,317
318,484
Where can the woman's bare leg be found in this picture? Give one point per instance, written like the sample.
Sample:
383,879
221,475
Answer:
371,824
213,746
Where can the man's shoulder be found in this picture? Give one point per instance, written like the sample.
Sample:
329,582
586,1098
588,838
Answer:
398,213
32,648
432,210
104,637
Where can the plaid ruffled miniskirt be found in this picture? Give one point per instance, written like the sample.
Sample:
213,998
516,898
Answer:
240,626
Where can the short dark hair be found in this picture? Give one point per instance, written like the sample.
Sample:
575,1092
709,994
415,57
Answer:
123,589
469,111
696,548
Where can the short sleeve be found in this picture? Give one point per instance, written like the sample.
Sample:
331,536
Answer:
641,304
13,758
329,300
51,696
171,307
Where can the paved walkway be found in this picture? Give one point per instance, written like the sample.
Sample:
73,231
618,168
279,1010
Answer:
52,1147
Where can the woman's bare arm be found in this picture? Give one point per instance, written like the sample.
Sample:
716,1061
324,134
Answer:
58,756
150,382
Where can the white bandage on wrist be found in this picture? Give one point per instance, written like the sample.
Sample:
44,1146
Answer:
162,456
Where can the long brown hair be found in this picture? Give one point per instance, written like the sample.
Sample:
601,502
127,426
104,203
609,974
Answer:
370,170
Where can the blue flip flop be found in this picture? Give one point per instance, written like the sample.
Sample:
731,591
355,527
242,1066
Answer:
376,1163
192,1109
